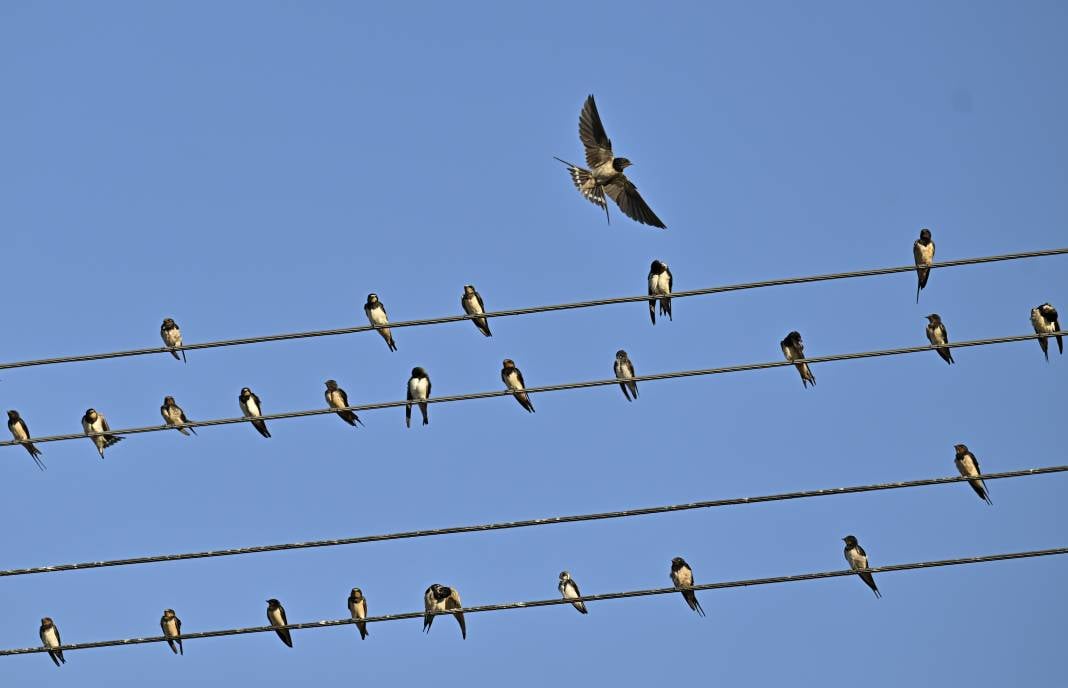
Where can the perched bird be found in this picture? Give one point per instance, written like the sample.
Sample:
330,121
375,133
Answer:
1044,318
337,399
968,466
624,370
95,422
472,303
858,559
172,628
358,610
376,315
513,380
659,285
418,391
251,408
174,415
439,598
50,639
923,251
21,432
172,337
937,335
605,173
570,590
276,614
682,577
793,348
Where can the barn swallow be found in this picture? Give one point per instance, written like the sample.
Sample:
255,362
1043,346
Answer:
172,628
276,614
659,285
174,415
337,399
172,337
472,303
605,173
439,598
624,370
682,576
376,315
358,610
968,466
21,432
923,252
858,559
95,422
513,380
50,639
1044,318
793,348
570,590
937,335
251,408
418,391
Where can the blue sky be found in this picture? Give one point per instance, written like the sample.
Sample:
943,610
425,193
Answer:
250,168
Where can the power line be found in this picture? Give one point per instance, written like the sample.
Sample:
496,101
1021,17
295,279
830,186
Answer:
508,525
555,601
535,309
547,388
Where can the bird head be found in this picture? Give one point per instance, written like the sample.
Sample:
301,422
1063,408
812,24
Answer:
90,414
657,267
168,613
564,575
47,621
850,541
372,298
273,602
469,289
418,372
168,401
13,415
508,363
356,594
925,236
246,392
960,449
168,323
331,385
621,355
934,318
621,164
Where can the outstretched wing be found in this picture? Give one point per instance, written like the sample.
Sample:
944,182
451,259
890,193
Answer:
591,132
626,196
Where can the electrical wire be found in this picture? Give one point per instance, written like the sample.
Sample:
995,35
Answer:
534,309
508,525
545,388
555,601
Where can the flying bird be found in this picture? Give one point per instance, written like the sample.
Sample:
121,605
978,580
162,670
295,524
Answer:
1044,318
968,466
276,614
50,639
439,598
174,416
95,422
418,391
251,408
659,285
624,370
172,337
794,349
570,590
472,304
358,610
21,432
682,577
513,380
337,399
172,628
376,315
937,335
858,559
605,173
923,251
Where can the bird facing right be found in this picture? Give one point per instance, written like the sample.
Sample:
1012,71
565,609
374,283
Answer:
1045,321
794,349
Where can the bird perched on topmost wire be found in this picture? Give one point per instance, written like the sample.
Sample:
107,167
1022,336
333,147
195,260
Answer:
605,173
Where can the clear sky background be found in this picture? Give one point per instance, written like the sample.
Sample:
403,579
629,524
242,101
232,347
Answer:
250,168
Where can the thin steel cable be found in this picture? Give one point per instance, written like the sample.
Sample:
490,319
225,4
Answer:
535,309
555,601
507,525
545,388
